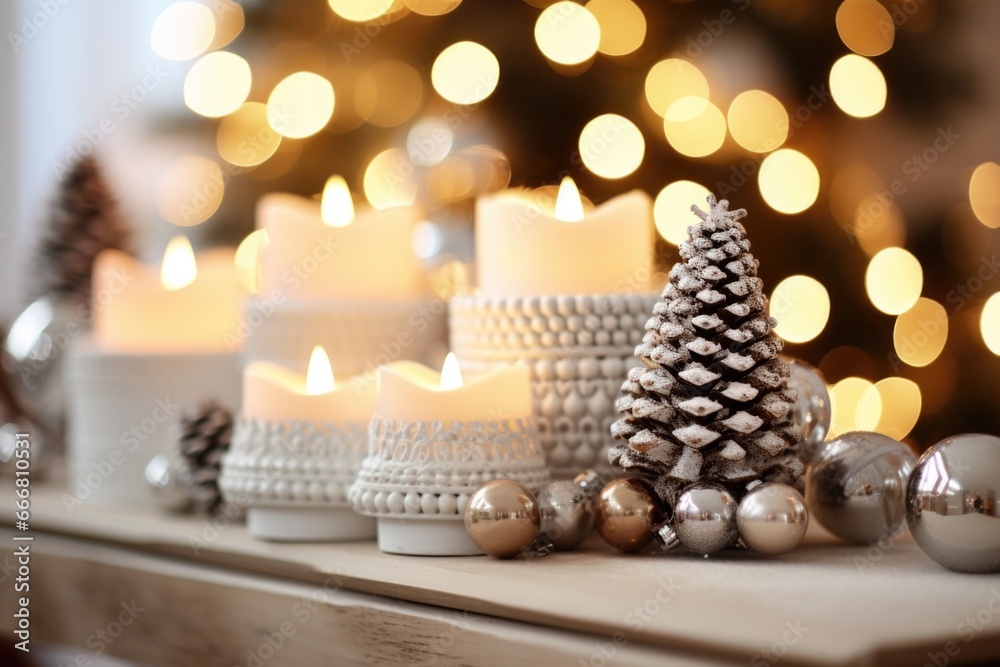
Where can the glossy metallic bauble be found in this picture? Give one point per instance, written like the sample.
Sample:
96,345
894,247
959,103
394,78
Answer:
567,514
813,407
33,356
590,482
168,480
627,512
952,505
856,487
502,518
705,518
772,519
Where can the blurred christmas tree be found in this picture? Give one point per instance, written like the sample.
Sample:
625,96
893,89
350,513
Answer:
824,120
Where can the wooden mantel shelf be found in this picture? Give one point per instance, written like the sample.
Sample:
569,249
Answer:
214,595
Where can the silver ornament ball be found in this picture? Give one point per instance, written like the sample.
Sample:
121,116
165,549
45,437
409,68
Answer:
705,518
951,503
772,519
812,406
567,514
168,481
856,487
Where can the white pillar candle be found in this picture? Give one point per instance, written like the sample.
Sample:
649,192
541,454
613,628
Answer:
275,393
412,392
324,250
184,305
523,250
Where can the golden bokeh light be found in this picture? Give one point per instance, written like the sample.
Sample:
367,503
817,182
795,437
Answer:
190,191
920,333
891,407
758,121
788,181
984,193
671,80
217,85
431,7
894,280
390,180
388,93
623,26
858,86
300,105
244,138
247,259
465,73
451,180
801,305
672,209
611,146
865,26
845,400
989,323
229,22
360,11
694,127
876,226
567,33
182,31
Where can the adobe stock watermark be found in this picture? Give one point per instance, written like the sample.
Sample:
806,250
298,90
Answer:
712,30
793,634
636,619
121,108
162,414
35,22
913,170
967,629
301,612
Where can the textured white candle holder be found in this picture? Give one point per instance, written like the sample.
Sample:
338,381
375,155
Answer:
418,477
292,478
359,337
579,349
123,409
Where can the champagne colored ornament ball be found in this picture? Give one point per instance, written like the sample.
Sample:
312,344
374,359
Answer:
502,518
856,487
953,503
813,407
567,514
772,519
705,518
627,513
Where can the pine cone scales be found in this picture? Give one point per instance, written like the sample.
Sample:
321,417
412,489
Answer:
712,402
205,436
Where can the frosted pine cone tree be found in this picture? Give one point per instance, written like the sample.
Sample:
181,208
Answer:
711,403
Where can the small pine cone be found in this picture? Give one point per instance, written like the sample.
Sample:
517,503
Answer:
205,434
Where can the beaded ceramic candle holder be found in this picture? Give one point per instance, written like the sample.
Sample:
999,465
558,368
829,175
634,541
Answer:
579,350
122,410
419,472
418,478
293,478
359,337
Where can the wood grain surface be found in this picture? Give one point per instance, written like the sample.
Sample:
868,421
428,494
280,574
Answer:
828,603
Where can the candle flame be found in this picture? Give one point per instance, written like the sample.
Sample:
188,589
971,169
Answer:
179,268
451,374
337,207
569,206
319,377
